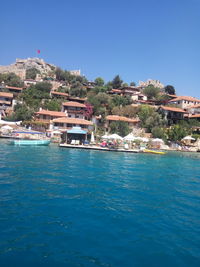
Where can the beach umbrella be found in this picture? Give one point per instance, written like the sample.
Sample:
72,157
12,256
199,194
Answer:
157,140
105,136
139,138
188,138
144,139
10,122
115,136
129,137
6,127
92,138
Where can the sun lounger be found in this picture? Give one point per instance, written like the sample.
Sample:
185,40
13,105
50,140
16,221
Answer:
73,142
77,142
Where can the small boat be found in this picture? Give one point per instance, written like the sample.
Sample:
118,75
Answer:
30,142
154,152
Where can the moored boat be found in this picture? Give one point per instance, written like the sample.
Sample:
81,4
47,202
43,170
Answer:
154,152
26,142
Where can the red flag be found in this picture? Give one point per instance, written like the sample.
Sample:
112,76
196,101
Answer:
38,51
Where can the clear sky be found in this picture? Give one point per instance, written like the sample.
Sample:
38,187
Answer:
138,39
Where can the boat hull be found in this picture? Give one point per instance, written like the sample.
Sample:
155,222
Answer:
154,152
30,142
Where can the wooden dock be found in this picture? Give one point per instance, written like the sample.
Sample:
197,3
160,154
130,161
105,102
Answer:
89,147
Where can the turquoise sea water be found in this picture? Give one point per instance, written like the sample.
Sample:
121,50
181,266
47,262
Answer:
65,207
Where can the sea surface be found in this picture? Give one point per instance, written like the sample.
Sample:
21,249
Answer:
67,207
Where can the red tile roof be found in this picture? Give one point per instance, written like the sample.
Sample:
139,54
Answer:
187,98
121,118
74,104
4,94
15,88
5,102
173,109
51,113
116,90
59,93
195,116
73,121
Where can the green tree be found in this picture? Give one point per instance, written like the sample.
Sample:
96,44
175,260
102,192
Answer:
99,81
43,87
117,82
11,79
117,111
129,111
35,94
125,85
53,104
159,132
144,112
169,89
155,120
120,100
100,102
177,132
150,118
151,92
21,113
78,92
132,84
60,74
31,73
119,127
109,86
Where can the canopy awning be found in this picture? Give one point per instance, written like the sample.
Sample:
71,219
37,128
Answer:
76,130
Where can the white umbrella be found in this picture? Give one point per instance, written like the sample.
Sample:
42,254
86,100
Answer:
157,140
129,137
188,138
144,139
6,127
115,136
10,122
92,138
105,136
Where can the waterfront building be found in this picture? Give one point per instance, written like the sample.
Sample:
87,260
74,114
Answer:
74,109
66,123
46,116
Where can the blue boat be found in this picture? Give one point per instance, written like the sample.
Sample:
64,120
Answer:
24,142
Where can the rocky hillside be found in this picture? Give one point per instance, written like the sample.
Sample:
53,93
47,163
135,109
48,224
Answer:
22,65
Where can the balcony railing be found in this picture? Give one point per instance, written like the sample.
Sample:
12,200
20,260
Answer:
74,111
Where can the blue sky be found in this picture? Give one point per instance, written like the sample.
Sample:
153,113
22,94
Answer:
138,39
